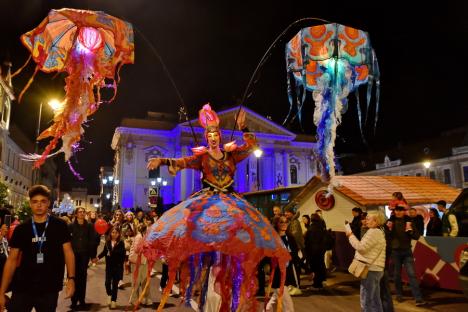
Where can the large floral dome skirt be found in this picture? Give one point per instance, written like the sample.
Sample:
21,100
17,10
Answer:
221,223
210,221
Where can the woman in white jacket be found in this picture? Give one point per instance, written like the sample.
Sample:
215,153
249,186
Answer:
371,250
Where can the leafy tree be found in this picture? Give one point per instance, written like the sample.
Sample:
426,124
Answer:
24,212
3,194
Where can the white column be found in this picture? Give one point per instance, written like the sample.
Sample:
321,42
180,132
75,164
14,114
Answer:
286,173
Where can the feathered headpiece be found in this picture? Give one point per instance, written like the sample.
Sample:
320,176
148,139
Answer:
210,122
208,119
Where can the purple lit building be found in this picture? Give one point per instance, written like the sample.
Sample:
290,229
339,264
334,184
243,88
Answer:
286,160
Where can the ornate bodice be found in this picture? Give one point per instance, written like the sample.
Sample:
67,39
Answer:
217,173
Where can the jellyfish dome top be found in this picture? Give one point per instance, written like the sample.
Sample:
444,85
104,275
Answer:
90,47
330,61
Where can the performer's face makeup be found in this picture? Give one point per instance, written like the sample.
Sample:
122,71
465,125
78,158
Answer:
213,139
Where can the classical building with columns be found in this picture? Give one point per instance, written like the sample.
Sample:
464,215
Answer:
287,158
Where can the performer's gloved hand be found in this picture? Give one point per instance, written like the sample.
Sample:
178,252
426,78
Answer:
153,163
241,120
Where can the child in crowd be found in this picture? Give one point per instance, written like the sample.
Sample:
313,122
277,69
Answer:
114,251
128,240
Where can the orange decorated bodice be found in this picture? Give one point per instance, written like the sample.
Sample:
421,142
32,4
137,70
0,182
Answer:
217,173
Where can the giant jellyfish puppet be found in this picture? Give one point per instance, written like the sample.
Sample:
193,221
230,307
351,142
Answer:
90,47
330,61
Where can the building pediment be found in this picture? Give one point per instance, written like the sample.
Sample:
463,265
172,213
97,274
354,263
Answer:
255,122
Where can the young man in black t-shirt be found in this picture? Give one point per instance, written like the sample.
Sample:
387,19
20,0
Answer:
40,248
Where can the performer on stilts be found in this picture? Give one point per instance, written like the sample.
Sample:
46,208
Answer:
215,230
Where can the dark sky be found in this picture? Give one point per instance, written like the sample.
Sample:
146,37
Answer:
212,47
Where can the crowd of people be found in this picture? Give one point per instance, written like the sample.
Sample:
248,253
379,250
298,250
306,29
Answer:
33,259
71,241
212,241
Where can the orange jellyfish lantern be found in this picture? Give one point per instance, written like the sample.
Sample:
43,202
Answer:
90,47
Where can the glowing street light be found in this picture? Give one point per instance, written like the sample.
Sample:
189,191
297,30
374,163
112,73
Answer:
104,181
427,164
117,181
159,179
55,104
164,183
153,183
258,153
111,178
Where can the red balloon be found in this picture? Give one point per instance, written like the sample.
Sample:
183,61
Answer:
101,226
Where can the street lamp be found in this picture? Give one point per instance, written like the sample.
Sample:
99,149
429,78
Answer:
55,105
258,153
155,191
427,165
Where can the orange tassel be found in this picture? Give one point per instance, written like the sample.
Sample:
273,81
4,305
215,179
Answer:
28,84
22,67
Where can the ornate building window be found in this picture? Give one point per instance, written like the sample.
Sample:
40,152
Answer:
154,152
293,173
294,166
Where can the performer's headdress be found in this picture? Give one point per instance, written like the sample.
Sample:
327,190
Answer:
209,119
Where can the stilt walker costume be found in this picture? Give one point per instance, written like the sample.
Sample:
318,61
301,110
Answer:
215,227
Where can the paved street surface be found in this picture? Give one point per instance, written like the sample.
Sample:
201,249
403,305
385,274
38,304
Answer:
340,294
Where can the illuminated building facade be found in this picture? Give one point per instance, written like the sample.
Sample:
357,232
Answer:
286,159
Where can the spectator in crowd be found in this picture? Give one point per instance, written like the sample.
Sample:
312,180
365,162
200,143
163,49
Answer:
305,223
281,225
398,200
276,213
117,218
40,249
417,220
385,292
364,227
140,280
114,251
83,244
129,223
295,230
140,215
315,250
3,247
261,266
356,223
128,241
449,220
322,221
96,236
434,226
402,232
371,250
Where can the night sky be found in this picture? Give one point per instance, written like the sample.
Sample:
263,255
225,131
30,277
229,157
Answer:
212,47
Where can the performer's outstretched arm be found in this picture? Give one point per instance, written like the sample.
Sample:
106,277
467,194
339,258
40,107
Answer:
176,164
243,151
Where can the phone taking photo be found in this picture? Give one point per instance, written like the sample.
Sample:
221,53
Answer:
7,220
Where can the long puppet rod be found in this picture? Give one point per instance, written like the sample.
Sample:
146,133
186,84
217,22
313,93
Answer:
265,58
183,109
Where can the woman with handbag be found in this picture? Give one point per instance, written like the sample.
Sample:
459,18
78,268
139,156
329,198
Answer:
369,260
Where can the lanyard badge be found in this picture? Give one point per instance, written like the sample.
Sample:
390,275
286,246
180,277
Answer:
40,241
